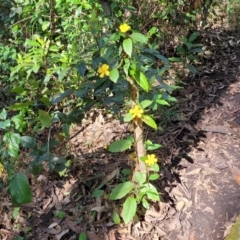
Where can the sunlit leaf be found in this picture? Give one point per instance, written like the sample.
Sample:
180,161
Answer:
149,121
119,146
116,217
114,75
44,118
127,46
129,209
139,37
127,117
121,190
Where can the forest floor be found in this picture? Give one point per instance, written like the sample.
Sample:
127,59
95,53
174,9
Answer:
200,168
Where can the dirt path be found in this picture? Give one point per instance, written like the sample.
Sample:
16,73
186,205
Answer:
208,197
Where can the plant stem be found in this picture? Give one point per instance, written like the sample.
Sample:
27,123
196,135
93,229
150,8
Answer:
138,127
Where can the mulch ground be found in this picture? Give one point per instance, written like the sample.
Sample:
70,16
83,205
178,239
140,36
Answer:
200,168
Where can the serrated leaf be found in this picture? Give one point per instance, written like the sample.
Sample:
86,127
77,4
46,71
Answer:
114,75
129,209
20,190
44,118
127,46
119,146
153,176
116,218
146,103
97,193
138,37
121,190
193,36
149,121
127,117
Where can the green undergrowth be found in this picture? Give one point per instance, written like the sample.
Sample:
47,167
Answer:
59,59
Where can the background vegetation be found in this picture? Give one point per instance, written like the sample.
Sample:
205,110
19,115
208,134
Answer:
50,53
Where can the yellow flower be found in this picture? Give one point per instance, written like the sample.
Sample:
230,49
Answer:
124,27
151,159
103,70
136,112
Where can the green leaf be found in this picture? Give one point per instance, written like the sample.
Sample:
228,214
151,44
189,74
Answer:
81,67
44,118
20,106
140,177
176,59
129,209
19,122
12,140
143,82
97,193
153,195
154,167
3,114
192,68
20,190
127,46
57,163
138,37
196,50
116,218
127,117
146,103
36,169
145,203
82,236
162,102
153,176
193,36
126,66
15,212
149,121
5,124
152,146
62,96
28,142
119,146
121,190
45,25
114,75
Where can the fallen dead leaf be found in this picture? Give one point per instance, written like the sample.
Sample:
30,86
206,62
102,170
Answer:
180,205
91,236
61,234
